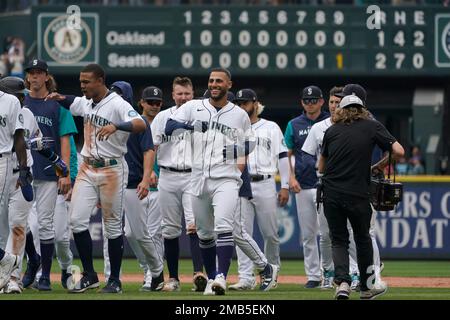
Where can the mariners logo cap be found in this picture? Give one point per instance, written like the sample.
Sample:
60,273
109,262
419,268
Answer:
245,95
312,92
152,93
353,89
351,101
37,64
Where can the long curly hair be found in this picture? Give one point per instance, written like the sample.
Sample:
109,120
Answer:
350,114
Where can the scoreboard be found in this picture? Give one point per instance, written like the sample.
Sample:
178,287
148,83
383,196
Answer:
249,40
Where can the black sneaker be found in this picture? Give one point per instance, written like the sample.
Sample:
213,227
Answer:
64,276
44,284
30,274
113,286
157,282
88,281
268,277
311,284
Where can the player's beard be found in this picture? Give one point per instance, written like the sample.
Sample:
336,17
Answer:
222,94
251,111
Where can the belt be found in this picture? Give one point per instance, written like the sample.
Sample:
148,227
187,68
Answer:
175,170
16,170
259,177
100,163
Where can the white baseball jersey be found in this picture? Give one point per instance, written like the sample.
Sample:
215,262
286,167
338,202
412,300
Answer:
11,119
31,131
313,142
227,127
110,110
269,144
174,151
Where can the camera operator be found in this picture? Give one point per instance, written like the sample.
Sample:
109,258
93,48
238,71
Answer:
346,164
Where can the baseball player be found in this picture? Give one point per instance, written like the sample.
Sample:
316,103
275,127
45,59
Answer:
102,178
270,153
303,180
140,160
174,159
58,124
19,208
221,134
11,135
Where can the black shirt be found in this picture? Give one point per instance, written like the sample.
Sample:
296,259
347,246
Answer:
348,152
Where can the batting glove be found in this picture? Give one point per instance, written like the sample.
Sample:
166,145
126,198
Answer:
24,181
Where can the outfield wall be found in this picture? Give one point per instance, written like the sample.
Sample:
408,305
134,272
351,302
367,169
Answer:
418,229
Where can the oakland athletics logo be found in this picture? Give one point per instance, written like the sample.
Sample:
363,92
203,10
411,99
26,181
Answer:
67,45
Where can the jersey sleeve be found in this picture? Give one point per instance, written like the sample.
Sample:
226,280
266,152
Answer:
77,106
66,124
280,141
146,139
289,136
16,120
182,114
310,144
127,113
157,131
324,150
383,138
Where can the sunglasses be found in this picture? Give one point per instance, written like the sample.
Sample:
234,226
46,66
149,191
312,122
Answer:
153,102
310,101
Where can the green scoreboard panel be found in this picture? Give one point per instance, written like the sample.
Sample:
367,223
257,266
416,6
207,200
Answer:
249,40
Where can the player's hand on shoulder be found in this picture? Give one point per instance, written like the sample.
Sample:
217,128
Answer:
283,197
55,96
105,132
294,185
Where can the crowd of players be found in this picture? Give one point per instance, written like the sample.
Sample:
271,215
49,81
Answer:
211,160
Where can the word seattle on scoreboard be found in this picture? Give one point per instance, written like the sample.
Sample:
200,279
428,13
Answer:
256,40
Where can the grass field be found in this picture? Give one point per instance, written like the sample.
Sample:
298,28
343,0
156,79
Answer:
294,291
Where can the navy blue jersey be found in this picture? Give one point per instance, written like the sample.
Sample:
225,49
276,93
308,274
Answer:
296,132
246,188
53,123
137,144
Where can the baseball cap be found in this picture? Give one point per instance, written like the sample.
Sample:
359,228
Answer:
312,92
152,93
13,85
351,101
353,89
246,95
37,64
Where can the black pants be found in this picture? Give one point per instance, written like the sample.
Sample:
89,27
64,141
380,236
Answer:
338,208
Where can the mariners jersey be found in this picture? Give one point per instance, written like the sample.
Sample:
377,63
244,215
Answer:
31,131
174,151
296,132
112,109
54,122
313,142
269,144
230,126
11,119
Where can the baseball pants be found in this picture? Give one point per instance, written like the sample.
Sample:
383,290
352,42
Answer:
45,194
174,200
105,185
249,253
309,228
5,179
264,206
214,209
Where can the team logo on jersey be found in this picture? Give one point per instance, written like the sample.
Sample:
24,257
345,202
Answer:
132,113
21,118
61,45
442,40
3,120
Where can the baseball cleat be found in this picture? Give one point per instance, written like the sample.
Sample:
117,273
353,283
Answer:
12,287
312,284
44,284
268,277
8,264
158,282
355,285
243,284
378,290
327,281
64,277
219,285
88,281
113,286
30,273
208,290
172,285
199,282
147,284
343,291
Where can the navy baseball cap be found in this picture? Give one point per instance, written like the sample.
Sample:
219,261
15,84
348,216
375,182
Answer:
246,95
353,89
312,92
37,64
152,93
